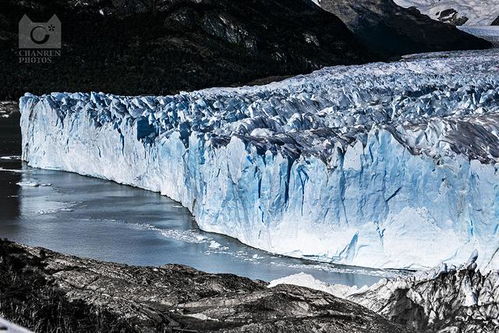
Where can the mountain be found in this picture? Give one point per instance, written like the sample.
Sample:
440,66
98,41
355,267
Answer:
390,165
390,30
457,12
161,47
165,46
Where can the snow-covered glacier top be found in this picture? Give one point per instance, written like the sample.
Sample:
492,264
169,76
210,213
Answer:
380,165
452,110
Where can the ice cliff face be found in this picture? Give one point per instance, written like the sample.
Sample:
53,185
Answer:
381,165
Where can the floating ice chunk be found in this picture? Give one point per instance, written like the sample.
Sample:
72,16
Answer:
32,184
214,245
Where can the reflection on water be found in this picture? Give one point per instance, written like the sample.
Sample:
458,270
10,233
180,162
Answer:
94,218
9,190
10,142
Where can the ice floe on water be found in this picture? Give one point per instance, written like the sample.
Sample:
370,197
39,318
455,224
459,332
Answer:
13,157
188,236
216,245
32,184
14,170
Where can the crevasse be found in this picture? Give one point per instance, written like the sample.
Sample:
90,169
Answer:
379,165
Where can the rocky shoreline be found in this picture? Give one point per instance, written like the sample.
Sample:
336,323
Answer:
46,292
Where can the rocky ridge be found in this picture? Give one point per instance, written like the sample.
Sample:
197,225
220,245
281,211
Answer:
446,299
443,299
391,30
47,292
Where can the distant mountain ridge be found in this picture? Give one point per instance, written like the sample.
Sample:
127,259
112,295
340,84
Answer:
457,12
162,47
390,30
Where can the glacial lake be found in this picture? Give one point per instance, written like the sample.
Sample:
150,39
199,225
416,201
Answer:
103,220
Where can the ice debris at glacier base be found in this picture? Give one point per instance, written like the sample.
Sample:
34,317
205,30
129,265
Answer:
379,165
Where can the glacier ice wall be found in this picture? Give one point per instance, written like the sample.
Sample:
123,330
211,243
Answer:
379,165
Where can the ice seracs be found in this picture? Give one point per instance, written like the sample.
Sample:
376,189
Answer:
379,165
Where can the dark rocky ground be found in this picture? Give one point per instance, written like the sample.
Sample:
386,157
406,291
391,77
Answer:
160,47
50,292
390,30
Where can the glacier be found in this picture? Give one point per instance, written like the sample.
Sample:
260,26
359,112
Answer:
388,165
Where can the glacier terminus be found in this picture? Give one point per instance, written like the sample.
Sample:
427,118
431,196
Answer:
389,165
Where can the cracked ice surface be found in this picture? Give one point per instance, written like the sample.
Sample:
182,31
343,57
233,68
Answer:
379,165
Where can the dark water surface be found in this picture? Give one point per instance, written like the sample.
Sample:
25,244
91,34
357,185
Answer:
98,219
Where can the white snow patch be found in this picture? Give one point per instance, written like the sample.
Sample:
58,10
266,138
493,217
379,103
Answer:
200,316
478,12
308,281
32,184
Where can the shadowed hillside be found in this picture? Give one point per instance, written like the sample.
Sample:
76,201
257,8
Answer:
161,47
390,30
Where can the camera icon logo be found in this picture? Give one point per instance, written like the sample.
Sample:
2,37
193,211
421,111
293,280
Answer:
36,35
